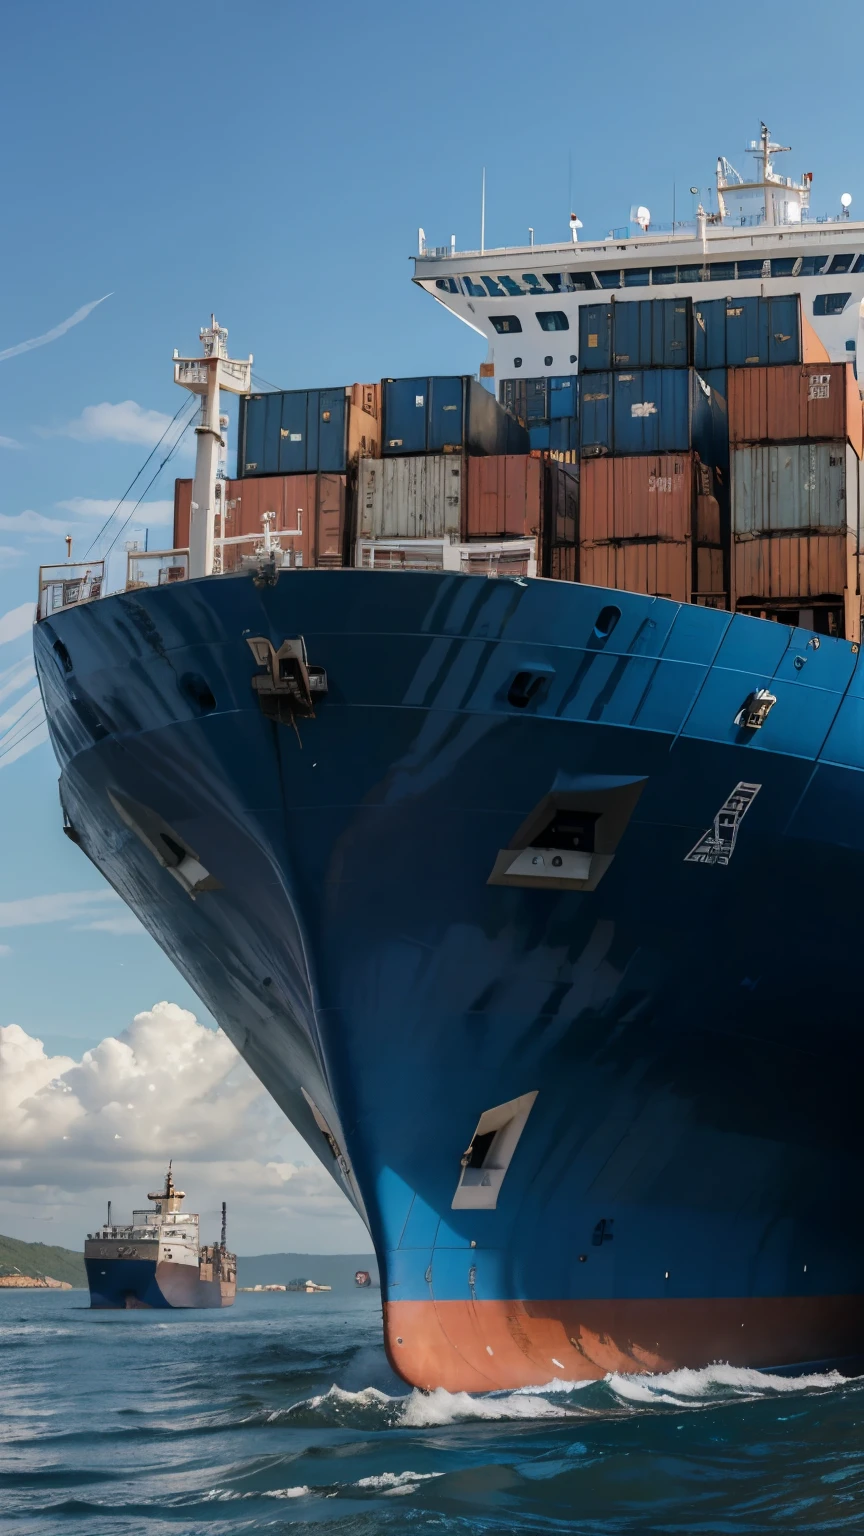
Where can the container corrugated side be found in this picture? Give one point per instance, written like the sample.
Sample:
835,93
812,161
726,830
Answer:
310,515
793,404
293,432
654,568
652,333
182,513
790,487
414,497
563,563
649,497
753,331
790,566
504,496
651,411
447,414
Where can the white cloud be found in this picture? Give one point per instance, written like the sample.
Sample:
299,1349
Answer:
166,1087
92,507
22,723
31,522
9,555
126,422
59,907
9,442
53,335
16,676
16,622
124,922
5,949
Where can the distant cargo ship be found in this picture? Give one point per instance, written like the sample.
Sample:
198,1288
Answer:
157,1261
363,1279
534,902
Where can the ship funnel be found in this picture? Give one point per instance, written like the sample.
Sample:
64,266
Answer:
224,1239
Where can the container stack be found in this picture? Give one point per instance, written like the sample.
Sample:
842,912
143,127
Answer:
654,447
549,409
796,448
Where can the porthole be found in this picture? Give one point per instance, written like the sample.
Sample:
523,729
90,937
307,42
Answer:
607,618
517,362
548,362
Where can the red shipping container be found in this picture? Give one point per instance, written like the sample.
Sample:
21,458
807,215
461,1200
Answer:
309,513
657,568
791,566
796,403
505,496
647,497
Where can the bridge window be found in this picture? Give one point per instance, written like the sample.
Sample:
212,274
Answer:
552,320
841,264
533,282
608,279
581,280
555,281
830,303
661,275
859,264
690,274
447,284
510,286
506,324
474,289
720,272
753,269
495,290
811,266
636,277
783,266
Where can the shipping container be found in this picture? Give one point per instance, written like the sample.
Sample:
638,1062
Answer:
709,419
303,431
564,435
505,496
710,586
658,569
824,617
563,397
796,403
791,566
649,497
794,487
636,333
559,531
526,399
563,563
309,517
754,331
447,415
636,413
539,437
416,497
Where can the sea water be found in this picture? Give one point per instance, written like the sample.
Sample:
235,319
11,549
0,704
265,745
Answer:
282,1414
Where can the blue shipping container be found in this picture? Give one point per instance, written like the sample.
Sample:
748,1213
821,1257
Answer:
652,410
293,432
538,435
563,395
636,333
595,414
448,414
564,434
595,337
741,332
526,398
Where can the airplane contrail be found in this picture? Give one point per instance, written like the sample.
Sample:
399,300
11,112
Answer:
53,335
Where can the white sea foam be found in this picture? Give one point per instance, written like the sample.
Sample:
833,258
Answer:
396,1482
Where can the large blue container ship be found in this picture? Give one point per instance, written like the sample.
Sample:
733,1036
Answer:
535,907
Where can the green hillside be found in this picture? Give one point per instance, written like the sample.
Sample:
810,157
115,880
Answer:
38,1259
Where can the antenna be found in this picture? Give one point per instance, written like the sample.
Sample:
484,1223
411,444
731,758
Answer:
575,226
68,546
640,215
483,212
224,1239
108,1223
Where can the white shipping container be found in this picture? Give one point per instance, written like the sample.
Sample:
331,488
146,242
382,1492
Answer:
794,488
413,498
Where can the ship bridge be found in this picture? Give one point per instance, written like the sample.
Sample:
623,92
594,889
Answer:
763,239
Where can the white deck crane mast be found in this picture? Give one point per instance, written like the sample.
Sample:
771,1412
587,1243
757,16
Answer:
205,376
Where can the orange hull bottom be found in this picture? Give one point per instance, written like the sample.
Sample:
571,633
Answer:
484,1346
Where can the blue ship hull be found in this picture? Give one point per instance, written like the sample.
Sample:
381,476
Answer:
131,1284
685,1186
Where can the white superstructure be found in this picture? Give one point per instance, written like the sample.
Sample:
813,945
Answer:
763,240
163,1233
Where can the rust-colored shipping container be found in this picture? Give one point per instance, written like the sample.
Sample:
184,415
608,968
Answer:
794,404
367,397
790,566
309,514
505,496
656,567
563,562
710,578
648,497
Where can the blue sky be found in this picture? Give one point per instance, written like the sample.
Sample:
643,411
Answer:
273,162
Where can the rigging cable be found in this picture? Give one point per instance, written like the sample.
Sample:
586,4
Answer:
171,451
98,536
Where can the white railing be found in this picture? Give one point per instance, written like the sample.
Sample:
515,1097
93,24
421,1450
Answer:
499,557
156,568
67,585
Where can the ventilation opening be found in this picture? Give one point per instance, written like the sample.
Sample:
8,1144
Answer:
527,686
489,1154
570,839
607,618
167,846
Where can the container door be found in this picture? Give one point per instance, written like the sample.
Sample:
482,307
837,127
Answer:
671,386
562,397
252,435
746,332
637,407
446,413
539,436
269,460
536,400
563,435
671,330
406,403
332,431
595,415
709,334
330,529
293,446
631,334
783,318
595,337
